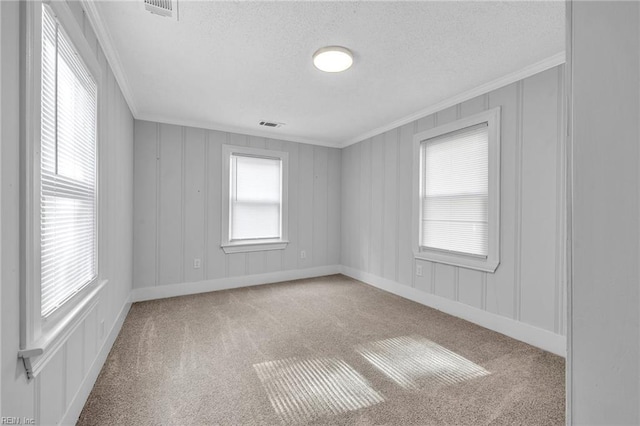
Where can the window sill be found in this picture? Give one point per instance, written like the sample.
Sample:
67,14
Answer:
254,245
39,352
455,259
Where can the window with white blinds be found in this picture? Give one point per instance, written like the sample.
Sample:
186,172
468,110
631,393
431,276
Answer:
68,210
256,198
255,210
455,191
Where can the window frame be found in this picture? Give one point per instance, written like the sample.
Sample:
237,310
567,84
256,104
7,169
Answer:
242,246
470,261
41,337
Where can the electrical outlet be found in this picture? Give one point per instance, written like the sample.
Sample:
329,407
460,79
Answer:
303,254
419,270
196,263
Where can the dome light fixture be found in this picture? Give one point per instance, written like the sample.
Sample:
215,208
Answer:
333,59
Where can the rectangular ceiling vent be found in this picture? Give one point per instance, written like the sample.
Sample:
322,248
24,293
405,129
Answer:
271,124
159,7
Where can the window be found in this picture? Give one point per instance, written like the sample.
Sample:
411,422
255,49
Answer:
61,282
68,237
457,203
255,208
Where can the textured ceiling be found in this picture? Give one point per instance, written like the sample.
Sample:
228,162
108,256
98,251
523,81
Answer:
229,65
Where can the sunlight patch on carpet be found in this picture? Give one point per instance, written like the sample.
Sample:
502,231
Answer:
302,390
414,362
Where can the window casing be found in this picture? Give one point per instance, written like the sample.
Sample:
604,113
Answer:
457,193
60,192
255,208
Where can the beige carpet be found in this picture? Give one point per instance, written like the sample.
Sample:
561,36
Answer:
328,350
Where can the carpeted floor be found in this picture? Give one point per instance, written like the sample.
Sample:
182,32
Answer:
328,350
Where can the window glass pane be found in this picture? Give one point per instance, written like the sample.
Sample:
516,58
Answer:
255,220
68,236
256,197
455,178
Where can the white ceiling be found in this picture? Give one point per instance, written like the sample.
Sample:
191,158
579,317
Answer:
228,65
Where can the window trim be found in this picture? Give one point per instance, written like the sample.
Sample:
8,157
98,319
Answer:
243,246
40,337
491,262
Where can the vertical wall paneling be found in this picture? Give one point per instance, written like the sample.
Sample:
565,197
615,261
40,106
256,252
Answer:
517,271
183,236
389,209
170,259
334,201
157,209
90,338
321,206
75,368
501,284
364,219
144,252
403,192
292,252
193,207
51,398
206,223
528,284
306,205
539,212
187,208
377,206
216,261
348,184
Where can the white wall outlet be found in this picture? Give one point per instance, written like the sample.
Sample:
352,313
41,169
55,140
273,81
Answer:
196,263
419,270
303,254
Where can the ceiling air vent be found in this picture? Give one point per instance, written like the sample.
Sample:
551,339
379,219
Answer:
160,7
272,124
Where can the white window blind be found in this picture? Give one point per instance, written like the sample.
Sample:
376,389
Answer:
455,184
68,235
256,198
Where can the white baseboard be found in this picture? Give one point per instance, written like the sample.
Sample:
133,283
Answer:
183,289
535,336
80,398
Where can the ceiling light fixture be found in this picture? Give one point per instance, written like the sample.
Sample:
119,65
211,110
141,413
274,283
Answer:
333,59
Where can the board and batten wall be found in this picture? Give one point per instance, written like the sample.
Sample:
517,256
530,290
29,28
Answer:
529,285
59,392
178,206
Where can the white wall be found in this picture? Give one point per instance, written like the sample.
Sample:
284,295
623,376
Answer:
177,209
604,354
529,284
66,381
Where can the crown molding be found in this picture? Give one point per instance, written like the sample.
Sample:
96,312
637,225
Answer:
203,124
528,71
113,58
104,37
